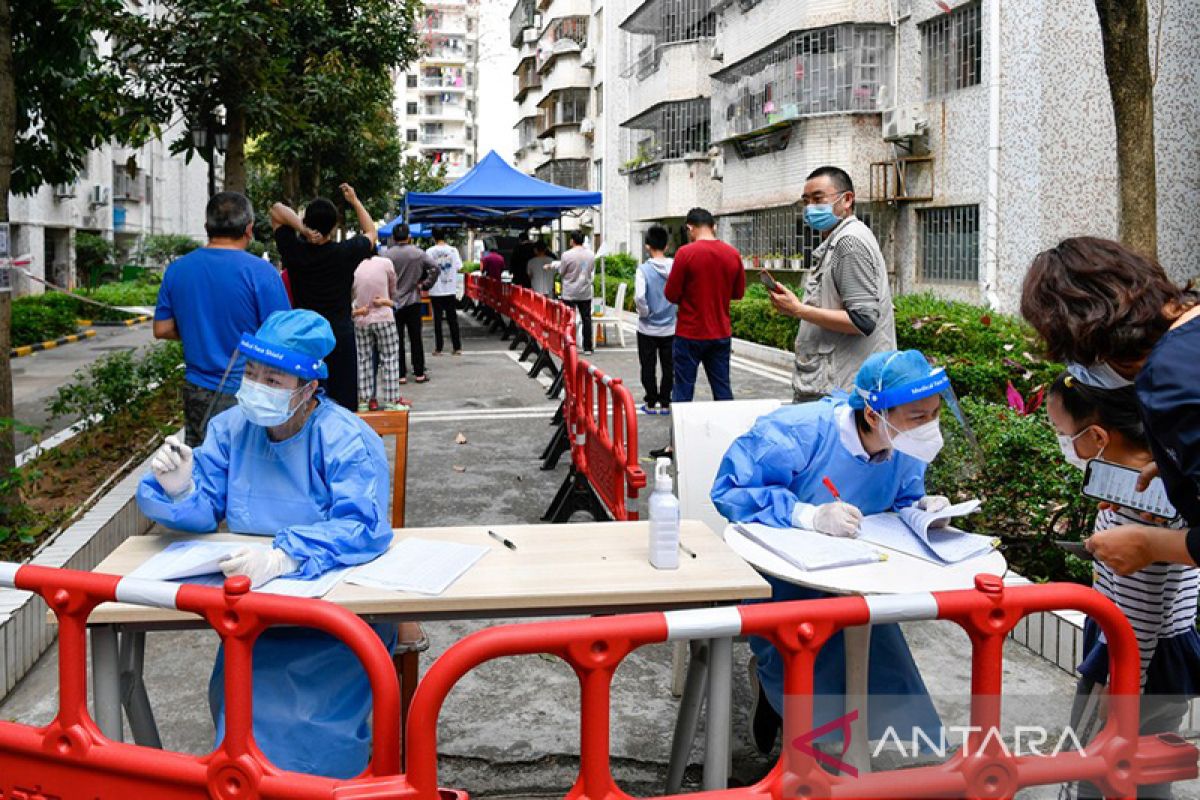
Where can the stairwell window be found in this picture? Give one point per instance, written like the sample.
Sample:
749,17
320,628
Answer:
950,244
953,48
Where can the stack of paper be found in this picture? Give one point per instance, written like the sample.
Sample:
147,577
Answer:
419,565
809,550
199,562
912,531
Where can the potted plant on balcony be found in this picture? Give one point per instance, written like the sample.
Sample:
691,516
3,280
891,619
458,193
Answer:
796,262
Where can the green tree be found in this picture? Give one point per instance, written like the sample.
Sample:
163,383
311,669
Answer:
419,174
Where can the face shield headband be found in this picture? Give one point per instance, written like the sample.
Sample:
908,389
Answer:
936,382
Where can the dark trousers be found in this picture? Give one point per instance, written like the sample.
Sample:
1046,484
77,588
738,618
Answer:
585,313
196,403
654,350
342,383
408,320
444,306
689,354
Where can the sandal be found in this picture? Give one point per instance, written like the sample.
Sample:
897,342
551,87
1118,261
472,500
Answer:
420,379
403,379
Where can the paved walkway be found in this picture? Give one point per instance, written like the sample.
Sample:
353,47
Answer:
510,729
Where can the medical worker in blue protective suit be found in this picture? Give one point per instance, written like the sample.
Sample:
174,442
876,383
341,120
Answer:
874,447
287,463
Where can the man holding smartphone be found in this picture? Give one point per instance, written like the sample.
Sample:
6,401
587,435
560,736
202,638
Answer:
846,314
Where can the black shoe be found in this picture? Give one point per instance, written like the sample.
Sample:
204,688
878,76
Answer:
764,722
663,452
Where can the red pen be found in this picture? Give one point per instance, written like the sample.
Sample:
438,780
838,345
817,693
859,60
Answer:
832,489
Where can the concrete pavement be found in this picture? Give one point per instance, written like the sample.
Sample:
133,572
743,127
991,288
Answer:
510,729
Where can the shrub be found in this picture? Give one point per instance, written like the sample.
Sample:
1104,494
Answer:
470,266
620,265
981,350
756,320
118,382
1031,495
160,249
126,293
35,319
93,256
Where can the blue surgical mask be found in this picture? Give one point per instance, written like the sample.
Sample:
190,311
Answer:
820,217
264,405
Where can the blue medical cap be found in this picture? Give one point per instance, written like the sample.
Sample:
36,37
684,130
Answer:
293,341
895,377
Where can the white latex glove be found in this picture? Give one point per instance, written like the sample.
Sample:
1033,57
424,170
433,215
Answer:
934,503
172,466
259,565
837,519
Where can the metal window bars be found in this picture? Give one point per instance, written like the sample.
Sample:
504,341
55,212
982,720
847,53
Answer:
950,244
658,23
562,35
780,232
569,172
952,45
527,133
838,69
527,77
521,17
665,131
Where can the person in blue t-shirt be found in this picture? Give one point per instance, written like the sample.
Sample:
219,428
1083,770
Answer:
207,299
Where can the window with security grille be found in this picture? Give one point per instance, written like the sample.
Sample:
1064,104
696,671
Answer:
781,233
837,69
666,131
564,107
952,45
527,132
950,244
411,108
411,80
411,134
659,23
572,173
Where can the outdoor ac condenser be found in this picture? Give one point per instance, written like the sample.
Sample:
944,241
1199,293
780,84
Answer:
548,147
904,122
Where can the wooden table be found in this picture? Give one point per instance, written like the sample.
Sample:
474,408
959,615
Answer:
594,568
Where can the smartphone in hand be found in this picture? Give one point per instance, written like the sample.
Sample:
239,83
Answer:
765,278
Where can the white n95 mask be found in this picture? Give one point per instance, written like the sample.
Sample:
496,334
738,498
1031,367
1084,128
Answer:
923,442
265,405
1067,445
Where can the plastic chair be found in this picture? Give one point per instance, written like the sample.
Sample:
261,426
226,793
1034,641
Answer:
412,641
612,316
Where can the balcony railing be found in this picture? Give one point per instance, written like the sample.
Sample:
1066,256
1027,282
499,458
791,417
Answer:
666,131
522,17
838,69
445,81
571,173
564,107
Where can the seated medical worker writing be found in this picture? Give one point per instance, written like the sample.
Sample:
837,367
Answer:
288,463
874,447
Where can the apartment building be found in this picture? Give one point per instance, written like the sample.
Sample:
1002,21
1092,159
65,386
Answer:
977,133
122,194
437,101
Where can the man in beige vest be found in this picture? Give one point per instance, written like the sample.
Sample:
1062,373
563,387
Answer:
846,314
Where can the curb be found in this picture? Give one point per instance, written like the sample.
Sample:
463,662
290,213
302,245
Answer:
30,349
127,323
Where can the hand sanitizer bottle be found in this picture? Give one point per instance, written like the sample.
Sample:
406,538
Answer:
664,519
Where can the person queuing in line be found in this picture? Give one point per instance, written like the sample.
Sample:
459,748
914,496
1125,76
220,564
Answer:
415,273
846,313
522,254
656,322
207,298
706,276
321,272
375,327
1159,600
1119,320
575,270
312,479
538,266
874,447
492,262
444,292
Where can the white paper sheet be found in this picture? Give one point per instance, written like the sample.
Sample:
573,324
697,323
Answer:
199,562
809,550
910,532
419,565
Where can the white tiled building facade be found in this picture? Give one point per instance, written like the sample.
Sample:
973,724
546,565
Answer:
122,195
729,104
437,100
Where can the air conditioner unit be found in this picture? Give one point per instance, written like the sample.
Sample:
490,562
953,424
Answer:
587,127
588,57
529,35
548,147
63,191
717,52
536,22
98,196
904,122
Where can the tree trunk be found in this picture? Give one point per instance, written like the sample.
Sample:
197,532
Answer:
235,156
290,180
8,137
1125,33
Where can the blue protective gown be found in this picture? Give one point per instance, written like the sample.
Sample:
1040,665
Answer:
324,495
781,461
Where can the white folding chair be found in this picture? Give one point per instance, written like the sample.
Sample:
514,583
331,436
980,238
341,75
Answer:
612,316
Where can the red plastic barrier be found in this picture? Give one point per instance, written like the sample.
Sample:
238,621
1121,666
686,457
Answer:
1117,760
471,286
606,434
71,758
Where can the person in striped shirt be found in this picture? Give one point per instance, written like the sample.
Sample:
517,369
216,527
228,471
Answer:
1159,600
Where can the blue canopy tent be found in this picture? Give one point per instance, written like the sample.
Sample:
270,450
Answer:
416,230
494,193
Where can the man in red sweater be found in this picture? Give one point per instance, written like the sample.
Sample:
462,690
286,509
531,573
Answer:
706,277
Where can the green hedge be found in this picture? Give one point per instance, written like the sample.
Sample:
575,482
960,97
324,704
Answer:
35,320
127,293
